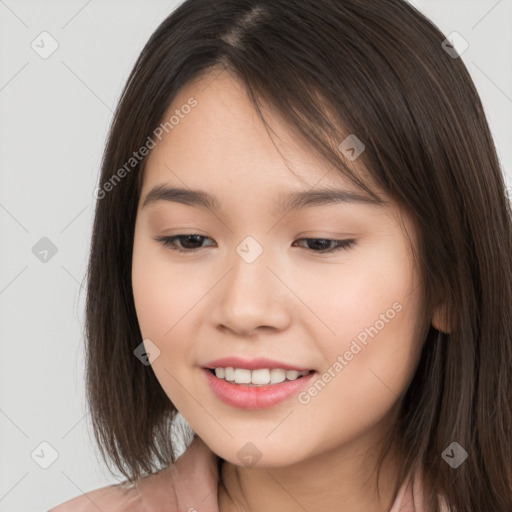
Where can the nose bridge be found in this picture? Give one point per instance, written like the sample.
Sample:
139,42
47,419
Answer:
251,295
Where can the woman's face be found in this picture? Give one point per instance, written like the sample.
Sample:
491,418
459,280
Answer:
257,286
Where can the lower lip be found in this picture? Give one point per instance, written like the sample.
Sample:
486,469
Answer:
255,397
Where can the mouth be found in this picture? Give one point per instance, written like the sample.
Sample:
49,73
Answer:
242,393
257,378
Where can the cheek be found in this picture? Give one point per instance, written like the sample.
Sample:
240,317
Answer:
163,292
371,308
351,295
149,294
168,296
368,366
163,296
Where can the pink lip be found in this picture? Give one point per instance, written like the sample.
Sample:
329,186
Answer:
255,397
253,364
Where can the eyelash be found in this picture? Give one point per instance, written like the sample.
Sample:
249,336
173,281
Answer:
168,242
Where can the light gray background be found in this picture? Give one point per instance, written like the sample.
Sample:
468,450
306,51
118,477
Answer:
55,114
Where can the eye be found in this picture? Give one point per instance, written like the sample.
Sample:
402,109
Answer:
186,242
192,243
324,243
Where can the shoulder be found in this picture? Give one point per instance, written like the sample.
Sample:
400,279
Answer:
122,497
117,497
190,481
410,497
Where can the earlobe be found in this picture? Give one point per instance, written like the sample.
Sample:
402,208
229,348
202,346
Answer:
441,320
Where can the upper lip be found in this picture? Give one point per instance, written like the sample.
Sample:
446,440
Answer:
252,364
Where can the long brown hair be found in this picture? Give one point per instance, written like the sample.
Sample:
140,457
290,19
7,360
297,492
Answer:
382,72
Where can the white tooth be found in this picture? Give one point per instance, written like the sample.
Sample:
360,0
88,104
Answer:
292,374
261,376
242,376
277,375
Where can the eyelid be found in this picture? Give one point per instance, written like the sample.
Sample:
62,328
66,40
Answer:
341,244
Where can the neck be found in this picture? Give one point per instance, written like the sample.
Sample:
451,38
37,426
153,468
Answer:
322,482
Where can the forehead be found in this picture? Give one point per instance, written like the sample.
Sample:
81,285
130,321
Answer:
222,139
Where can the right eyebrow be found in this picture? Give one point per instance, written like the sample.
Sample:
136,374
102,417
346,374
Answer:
181,195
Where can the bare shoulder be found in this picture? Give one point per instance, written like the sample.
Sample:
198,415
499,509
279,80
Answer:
112,498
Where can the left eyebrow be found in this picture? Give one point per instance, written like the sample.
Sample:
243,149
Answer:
289,202
325,196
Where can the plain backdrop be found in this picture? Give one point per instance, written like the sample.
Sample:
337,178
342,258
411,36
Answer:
55,113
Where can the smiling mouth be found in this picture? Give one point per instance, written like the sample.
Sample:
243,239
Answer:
278,376
259,395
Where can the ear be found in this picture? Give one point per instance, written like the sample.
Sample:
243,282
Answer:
441,319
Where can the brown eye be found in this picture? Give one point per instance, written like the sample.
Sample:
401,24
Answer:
323,245
193,242
187,243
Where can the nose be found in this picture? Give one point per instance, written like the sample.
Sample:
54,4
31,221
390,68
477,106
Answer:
252,297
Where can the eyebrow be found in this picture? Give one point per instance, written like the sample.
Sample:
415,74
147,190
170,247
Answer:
292,201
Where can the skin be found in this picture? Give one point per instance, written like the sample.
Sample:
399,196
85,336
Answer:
291,304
